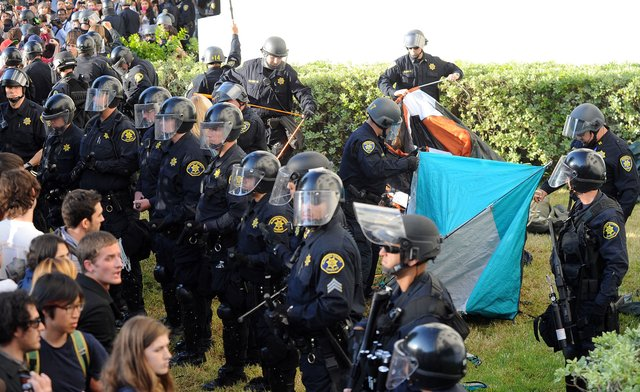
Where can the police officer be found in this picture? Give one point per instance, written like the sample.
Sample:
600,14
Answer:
253,135
109,15
131,19
174,203
40,73
417,68
109,159
324,285
365,167
272,83
90,66
69,84
21,130
592,247
214,57
431,357
587,126
134,81
123,59
186,17
218,215
151,150
409,242
11,57
60,156
262,226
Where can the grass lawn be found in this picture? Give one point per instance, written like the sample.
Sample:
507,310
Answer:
512,359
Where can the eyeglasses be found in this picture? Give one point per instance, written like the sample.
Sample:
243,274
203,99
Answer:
413,48
391,249
70,308
35,323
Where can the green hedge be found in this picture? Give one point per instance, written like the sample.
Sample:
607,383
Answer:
519,109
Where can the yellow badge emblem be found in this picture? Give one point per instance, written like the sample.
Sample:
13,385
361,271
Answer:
105,135
626,163
610,230
138,77
186,7
26,121
307,260
368,146
173,161
158,145
195,169
279,224
602,154
255,222
280,81
332,263
306,234
128,136
432,67
245,126
216,173
66,147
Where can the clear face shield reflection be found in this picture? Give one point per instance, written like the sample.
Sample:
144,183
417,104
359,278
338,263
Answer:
561,174
401,368
243,181
98,100
166,126
392,133
213,135
381,225
55,124
145,114
572,126
281,193
314,208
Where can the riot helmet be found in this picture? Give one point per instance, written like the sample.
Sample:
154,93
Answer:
317,197
148,33
274,53
64,60
164,18
88,17
176,115
414,39
27,16
583,168
15,77
256,173
228,91
108,8
11,57
58,113
105,92
386,115
86,45
97,39
148,106
121,59
584,118
222,123
432,356
213,54
32,49
28,28
297,166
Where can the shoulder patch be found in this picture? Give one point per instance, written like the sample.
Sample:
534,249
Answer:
626,163
332,263
368,146
195,168
610,230
245,126
138,77
279,224
128,136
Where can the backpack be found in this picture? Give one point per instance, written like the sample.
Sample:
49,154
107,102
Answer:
541,213
80,347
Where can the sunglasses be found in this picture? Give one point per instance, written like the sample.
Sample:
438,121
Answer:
35,323
391,249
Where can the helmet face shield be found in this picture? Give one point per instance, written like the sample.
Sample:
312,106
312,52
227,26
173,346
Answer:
381,225
56,123
574,127
145,114
392,133
402,366
283,188
214,134
561,174
314,208
98,100
243,181
166,126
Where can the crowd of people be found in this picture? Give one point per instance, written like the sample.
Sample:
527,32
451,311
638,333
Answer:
237,211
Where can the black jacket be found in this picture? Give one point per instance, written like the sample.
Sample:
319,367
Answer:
99,314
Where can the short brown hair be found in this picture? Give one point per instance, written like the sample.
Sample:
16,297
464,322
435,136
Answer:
19,190
10,161
91,244
77,205
72,36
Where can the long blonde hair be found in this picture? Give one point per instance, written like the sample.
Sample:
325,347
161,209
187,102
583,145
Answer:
127,364
202,104
49,265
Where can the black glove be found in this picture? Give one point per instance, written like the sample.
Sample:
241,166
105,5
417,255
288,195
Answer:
192,229
90,162
592,310
308,113
268,237
412,163
418,150
77,171
278,315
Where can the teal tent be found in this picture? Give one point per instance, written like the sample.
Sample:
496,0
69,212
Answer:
481,209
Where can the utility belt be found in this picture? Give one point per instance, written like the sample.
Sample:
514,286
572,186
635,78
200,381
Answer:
362,195
116,201
55,196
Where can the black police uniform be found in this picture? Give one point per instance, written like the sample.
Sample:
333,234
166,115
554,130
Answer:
134,83
263,274
147,69
117,23
364,169
169,6
593,253
92,67
408,73
42,77
221,213
21,130
150,158
60,155
178,191
205,82
323,292
186,17
131,21
113,144
76,89
253,136
622,184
